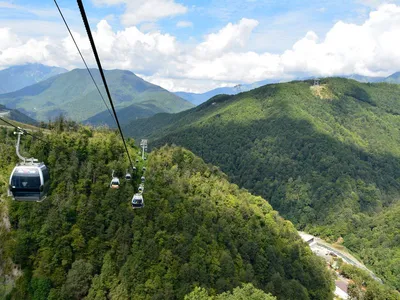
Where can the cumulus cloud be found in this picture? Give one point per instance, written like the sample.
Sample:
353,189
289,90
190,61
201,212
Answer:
222,58
139,11
229,38
8,39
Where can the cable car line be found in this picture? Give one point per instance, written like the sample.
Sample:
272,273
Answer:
84,61
87,26
25,132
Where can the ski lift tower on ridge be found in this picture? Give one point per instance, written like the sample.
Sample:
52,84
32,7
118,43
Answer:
143,144
316,81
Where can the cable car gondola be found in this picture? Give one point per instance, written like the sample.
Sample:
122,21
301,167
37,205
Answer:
143,178
141,188
115,183
29,182
128,176
137,201
144,169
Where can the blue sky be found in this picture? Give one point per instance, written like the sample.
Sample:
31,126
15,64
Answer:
253,30
286,20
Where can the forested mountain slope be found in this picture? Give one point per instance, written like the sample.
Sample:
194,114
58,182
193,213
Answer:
74,95
125,115
16,115
196,229
326,157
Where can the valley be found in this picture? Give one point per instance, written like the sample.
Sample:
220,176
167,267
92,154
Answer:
85,239
328,162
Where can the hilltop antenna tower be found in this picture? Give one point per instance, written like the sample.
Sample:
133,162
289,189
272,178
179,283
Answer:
143,144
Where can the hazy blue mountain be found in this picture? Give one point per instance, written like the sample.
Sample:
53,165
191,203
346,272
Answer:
394,78
364,79
199,98
74,95
18,77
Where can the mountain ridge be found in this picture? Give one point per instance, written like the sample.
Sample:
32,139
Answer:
198,98
74,95
20,76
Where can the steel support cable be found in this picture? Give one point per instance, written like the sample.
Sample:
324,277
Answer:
84,61
89,33
23,130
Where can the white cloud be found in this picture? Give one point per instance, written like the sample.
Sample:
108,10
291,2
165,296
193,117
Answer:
229,38
184,24
222,58
8,39
139,11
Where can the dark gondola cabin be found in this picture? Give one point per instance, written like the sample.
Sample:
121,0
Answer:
143,179
128,176
29,182
137,201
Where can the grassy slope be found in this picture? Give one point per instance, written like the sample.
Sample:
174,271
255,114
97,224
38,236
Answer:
75,95
325,159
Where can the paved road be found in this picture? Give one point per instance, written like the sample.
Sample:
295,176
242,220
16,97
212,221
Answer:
322,248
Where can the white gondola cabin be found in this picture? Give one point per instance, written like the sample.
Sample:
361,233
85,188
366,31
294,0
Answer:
115,183
137,201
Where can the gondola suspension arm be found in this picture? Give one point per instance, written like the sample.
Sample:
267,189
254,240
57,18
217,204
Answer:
20,132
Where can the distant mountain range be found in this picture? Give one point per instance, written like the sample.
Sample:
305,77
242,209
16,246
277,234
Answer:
198,98
45,92
18,77
74,95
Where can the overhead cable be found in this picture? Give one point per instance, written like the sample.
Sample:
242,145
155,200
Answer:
83,59
89,32
23,130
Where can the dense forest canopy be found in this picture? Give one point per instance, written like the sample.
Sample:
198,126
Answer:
326,157
196,234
